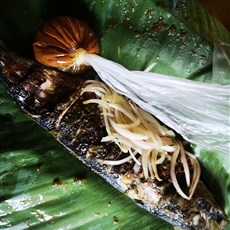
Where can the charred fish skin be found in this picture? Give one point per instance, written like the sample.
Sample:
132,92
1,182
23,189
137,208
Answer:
53,99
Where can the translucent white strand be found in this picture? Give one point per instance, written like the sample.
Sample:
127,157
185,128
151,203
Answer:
196,110
134,134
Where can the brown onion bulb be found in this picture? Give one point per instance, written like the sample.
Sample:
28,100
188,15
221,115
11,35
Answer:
61,41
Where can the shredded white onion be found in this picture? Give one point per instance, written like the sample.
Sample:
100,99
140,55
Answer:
138,133
185,164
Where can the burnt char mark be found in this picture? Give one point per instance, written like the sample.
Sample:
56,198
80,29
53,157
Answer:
202,204
14,68
81,124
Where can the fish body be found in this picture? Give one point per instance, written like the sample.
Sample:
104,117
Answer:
53,99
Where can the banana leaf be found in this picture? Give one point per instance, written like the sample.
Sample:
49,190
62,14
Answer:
42,186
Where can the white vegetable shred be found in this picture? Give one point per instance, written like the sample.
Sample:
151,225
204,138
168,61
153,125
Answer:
138,133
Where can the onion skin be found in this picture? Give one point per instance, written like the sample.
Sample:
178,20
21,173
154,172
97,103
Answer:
59,41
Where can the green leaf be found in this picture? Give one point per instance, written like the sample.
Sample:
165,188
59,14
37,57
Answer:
37,185
219,183
147,33
198,19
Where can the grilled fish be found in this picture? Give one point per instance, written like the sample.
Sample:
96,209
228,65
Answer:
53,99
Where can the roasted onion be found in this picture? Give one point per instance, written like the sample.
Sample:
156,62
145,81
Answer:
61,41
